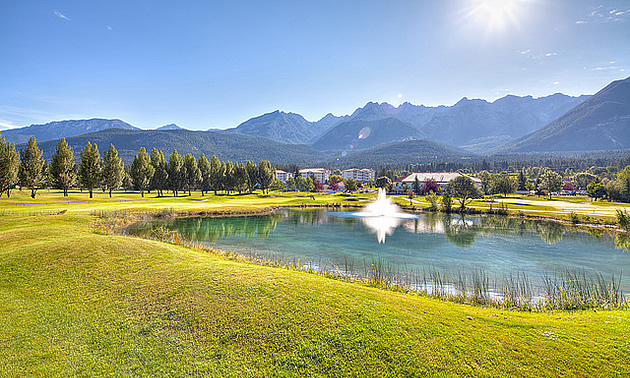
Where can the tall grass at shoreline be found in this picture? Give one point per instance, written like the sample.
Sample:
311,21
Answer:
571,289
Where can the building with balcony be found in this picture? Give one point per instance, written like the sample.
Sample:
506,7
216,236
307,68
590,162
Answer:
283,176
321,174
360,175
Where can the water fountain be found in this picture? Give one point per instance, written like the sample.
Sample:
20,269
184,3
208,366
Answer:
382,216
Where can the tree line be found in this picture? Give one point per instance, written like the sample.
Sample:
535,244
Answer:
178,174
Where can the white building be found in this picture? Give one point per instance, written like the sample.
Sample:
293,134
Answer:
321,174
283,176
442,178
360,175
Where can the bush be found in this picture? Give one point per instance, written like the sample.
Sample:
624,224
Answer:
623,219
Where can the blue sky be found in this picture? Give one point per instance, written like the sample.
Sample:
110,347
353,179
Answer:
214,64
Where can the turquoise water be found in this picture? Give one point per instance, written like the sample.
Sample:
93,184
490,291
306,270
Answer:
339,241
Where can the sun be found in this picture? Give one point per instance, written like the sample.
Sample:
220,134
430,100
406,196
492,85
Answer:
496,14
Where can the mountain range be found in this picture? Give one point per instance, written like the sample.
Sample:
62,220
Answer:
58,129
380,132
462,124
602,122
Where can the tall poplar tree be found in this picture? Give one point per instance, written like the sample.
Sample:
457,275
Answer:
90,170
175,177
113,170
192,174
204,168
62,167
159,181
228,176
141,171
266,175
252,175
32,167
241,177
216,174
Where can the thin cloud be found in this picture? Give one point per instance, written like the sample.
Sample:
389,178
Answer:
579,22
61,15
610,15
6,125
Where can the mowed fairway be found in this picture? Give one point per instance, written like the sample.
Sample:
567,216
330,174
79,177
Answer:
77,303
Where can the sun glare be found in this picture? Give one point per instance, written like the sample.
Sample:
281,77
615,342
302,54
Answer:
496,14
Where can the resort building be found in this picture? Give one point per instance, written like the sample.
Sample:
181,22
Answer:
442,178
321,174
283,176
360,175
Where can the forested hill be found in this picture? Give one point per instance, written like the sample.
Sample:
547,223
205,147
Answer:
400,153
225,145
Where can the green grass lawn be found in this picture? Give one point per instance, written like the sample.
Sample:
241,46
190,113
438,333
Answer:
77,303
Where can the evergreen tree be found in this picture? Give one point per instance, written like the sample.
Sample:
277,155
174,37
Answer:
266,175
522,181
204,168
159,181
141,171
113,170
191,173
241,178
252,175
9,166
62,167
417,188
228,177
175,172
90,170
216,174
32,166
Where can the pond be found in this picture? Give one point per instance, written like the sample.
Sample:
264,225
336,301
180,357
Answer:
342,242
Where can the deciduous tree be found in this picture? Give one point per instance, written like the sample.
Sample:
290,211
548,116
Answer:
550,181
252,175
504,184
430,185
266,175
464,190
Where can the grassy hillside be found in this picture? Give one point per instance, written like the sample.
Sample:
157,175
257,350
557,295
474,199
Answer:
75,302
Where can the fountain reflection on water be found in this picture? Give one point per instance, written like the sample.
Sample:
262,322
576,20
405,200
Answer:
382,216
